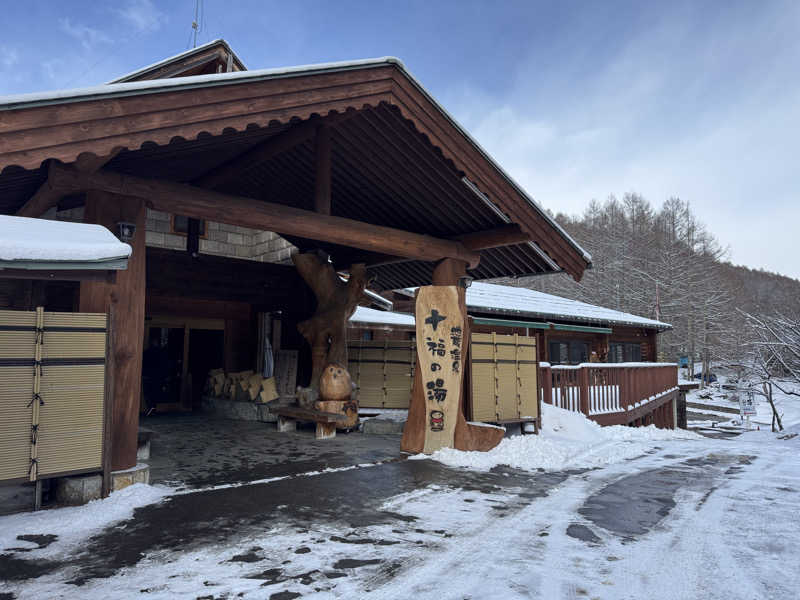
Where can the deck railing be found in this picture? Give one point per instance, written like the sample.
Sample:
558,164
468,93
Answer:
606,388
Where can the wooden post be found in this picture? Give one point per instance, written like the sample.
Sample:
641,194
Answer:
467,437
583,382
546,384
124,300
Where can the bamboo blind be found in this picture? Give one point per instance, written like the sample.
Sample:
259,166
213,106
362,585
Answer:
504,384
383,371
52,382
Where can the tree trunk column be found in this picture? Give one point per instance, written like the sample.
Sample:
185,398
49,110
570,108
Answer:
125,301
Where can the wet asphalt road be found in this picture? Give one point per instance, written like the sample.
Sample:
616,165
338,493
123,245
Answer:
211,512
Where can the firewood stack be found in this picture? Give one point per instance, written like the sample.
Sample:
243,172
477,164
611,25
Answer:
243,386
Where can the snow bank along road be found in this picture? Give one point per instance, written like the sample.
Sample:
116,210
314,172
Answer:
617,514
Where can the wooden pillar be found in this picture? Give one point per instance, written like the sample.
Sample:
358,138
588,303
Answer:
467,437
652,339
124,300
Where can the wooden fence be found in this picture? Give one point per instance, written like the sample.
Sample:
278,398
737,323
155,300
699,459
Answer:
611,393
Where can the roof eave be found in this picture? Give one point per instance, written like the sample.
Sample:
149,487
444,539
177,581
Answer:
221,79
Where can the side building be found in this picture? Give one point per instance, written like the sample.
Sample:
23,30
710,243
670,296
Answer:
526,347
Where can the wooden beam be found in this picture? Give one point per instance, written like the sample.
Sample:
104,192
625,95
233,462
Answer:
236,210
270,148
89,163
504,235
322,175
60,275
47,196
44,198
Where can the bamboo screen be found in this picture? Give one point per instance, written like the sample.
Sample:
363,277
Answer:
383,371
52,382
504,383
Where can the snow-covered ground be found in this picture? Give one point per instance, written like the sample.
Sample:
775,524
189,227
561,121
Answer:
585,512
568,441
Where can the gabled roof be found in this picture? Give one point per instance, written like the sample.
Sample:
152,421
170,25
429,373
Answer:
44,244
215,51
517,301
403,160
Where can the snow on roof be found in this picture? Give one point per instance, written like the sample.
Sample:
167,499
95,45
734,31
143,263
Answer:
381,317
180,55
504,299
111,90
196,81
41,243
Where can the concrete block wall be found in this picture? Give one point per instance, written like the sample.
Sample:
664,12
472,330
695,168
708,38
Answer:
221,239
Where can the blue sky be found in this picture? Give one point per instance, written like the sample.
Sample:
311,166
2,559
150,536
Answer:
576,100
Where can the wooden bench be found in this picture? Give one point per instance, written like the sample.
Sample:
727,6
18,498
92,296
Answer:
326,421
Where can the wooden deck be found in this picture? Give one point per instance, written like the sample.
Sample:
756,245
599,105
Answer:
614,394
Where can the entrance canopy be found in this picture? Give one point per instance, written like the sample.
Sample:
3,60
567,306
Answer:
355,158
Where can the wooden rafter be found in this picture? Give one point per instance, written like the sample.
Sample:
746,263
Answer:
200,203
322,170
265,151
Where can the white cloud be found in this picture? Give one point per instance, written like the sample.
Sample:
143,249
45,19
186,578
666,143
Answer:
8,56
52,69
87,36
662,118
142,15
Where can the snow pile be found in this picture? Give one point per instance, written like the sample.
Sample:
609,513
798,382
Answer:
22,238
567,440
74,524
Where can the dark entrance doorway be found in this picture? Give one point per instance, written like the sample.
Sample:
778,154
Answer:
206,352
179,353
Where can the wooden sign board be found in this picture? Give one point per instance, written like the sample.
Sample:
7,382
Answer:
440,341
286,372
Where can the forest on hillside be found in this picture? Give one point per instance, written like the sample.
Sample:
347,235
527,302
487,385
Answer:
662,263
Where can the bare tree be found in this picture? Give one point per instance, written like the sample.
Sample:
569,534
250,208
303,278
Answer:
774,356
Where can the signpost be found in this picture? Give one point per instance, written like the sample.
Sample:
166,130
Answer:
747,406
440,342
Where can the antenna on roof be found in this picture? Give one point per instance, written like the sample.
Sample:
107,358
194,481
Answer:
196,24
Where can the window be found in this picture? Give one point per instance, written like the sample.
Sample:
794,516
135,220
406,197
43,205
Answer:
624,352
180,225
569,352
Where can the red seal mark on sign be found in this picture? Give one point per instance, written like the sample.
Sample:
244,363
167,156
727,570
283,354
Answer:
437,420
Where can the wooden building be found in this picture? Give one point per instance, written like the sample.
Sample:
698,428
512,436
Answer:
352,160
567,331
542,335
